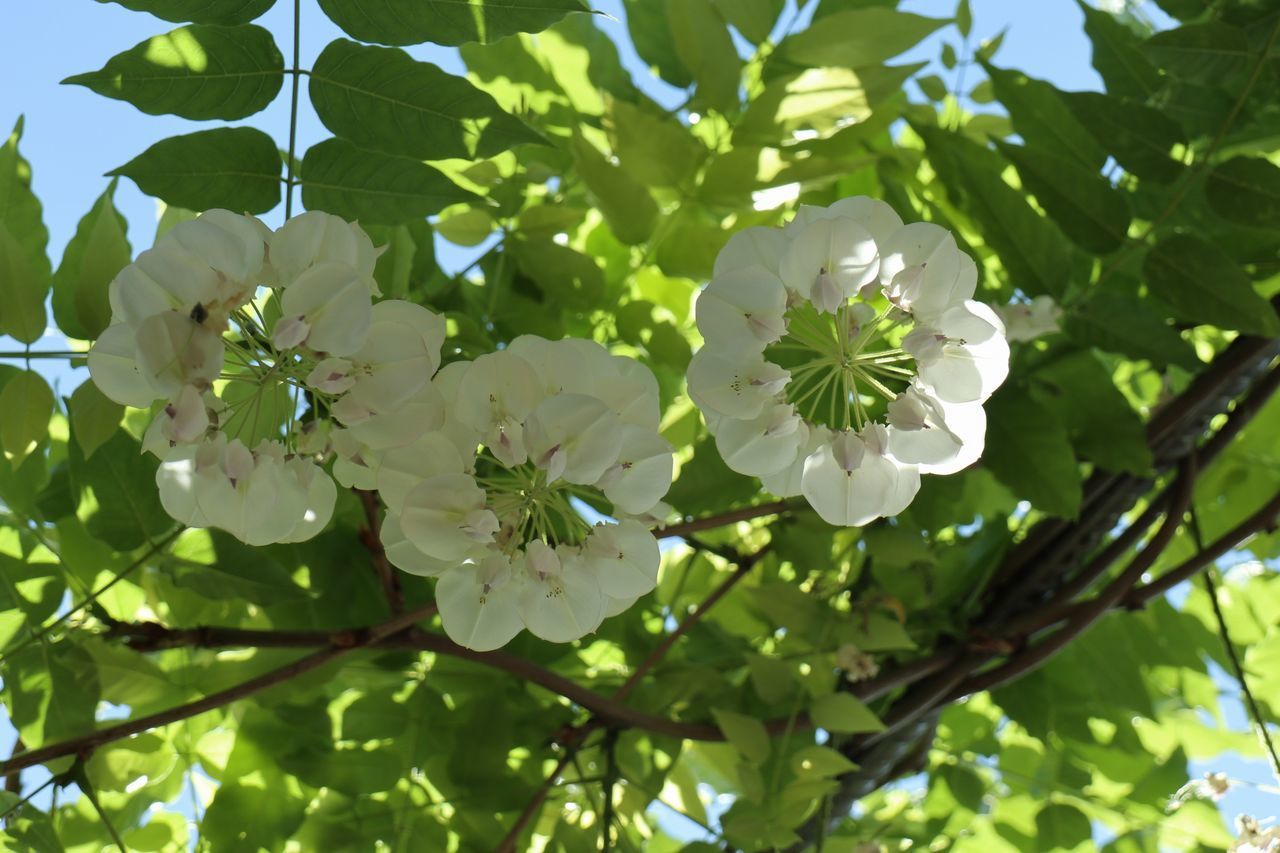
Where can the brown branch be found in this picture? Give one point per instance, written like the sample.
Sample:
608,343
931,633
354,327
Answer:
371,538
85,744
722,519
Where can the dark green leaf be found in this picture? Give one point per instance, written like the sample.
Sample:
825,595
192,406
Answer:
1103,426
857,37
449,22
624,202
26,404
123,483
567,277
1211,52
1029,449
1041,118
356,184
198,72
753,18
747,734
933,87
382,99
1117,55
1035,255
200,11
1139,137
237,168
1202,285
844,713
1063,827
95,254
93,416
1122,323
1246,191
22,292
705,47
647,22
964,18
1088,209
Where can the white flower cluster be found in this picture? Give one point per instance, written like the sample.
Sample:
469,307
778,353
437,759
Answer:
563,428
220,318
844,357
488,468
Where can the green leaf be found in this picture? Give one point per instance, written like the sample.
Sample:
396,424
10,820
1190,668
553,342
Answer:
237,168
1035,255
566,276
933,87
1117,55
705,47
1103,426
656,149
844,713
1063,827
200,11
355,184
857,37
1041,118
199,72
1089,210
382,99
94,417
1211,52
747,734
755,19
815,99
648,24
51,692
624,202
964,18
1139,137
1246,191
123,484
820,762
1029,450
448,22
22,292
1201,284
26,404
1122,323
91,260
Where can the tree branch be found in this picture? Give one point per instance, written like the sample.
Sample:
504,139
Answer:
722,519
85,744
371,538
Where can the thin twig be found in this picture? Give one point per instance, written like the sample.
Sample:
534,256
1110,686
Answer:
293,109
371,538
722,519
610,780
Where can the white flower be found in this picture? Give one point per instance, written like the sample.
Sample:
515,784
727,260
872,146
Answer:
561,599
829,261
113,364
751,247
767,443
573,436
937,437
173,351
742,311
642,474
445,517
963,356
852,480
624,557
879,219
314,238
734,386
1025,321
924,272
480,602
327,308
496,394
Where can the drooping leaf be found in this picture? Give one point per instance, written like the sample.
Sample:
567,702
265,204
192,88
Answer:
1210,52
1123,323
624,202
647,23
51,691
1088,209
94,416
95,254
123,485
1029,450
1139,137
1246,191
747,734
1117,55
656,149
857,37
355,184
22,292
844,713
705,47
237,168
382,99
26,404
1042,119
1035,255
449,22
1201,284
753,18
200,11
203,71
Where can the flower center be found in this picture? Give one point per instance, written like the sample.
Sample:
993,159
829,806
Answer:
528,507
845,367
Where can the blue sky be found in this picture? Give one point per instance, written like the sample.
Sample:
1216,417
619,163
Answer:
74,136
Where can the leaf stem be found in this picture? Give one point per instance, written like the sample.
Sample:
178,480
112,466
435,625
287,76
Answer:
293,109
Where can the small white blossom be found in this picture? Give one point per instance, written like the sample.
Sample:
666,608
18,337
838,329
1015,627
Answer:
1026,321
